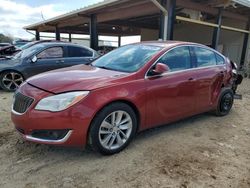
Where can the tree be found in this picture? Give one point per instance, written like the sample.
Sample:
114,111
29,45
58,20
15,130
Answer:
6,39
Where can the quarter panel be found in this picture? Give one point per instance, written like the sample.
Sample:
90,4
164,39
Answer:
209,83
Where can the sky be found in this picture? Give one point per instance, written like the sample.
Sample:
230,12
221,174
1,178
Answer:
15,14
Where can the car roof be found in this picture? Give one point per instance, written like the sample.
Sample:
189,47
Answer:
171,44
168,44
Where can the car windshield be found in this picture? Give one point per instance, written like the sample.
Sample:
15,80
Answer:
27,45
28,51
129,58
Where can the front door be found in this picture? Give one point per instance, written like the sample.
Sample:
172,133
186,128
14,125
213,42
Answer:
171,96
49,59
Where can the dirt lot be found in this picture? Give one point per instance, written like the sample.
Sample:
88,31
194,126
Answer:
203,151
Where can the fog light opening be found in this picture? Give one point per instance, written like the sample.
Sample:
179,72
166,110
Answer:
52,135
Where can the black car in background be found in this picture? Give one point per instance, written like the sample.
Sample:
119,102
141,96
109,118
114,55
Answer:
8,50
40,58
19,43
4,45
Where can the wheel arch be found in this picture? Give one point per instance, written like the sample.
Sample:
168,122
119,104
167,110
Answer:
9,70
129,103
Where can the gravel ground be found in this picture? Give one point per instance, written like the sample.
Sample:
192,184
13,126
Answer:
202,151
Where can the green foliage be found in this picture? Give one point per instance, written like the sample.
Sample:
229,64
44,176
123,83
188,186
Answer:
6,39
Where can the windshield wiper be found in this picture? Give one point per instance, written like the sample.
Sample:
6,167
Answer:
102,67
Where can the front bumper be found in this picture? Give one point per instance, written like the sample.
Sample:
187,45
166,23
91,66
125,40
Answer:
75,120
32,138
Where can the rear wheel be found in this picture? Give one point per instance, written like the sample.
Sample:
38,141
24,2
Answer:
225,102
113,128
10,80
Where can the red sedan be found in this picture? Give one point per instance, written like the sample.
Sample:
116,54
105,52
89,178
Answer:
132,88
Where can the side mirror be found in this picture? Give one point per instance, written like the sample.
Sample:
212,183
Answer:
34,59
160,68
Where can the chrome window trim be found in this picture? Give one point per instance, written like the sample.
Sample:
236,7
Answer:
62,46
186,70
17,113
190,69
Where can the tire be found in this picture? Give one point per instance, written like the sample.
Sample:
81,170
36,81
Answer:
108,137
225,102
10,80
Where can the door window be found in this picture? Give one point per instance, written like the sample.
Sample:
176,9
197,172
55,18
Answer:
204,57
177,59
220,60
49,53
79,52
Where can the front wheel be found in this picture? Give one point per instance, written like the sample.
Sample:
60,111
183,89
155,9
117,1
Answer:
113,128
10,80
225,102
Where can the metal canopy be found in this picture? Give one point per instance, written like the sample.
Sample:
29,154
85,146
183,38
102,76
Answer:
127,17
243,2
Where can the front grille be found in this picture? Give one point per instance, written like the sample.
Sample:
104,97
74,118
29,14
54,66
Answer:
21,102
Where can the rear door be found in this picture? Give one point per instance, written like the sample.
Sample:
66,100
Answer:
78,55
171,96
209,74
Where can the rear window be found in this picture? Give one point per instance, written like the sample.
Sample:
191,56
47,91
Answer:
74,51
220,60
204,57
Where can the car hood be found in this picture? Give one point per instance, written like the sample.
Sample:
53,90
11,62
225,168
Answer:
80,77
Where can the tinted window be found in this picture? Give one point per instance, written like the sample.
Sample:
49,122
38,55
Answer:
54,52
220,59
79,52
204,57
129,58
177,59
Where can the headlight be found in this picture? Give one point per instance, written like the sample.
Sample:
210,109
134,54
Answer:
61,102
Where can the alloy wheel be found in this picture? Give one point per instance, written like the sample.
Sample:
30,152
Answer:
12,80
115,130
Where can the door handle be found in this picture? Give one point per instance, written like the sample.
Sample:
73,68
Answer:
191,79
